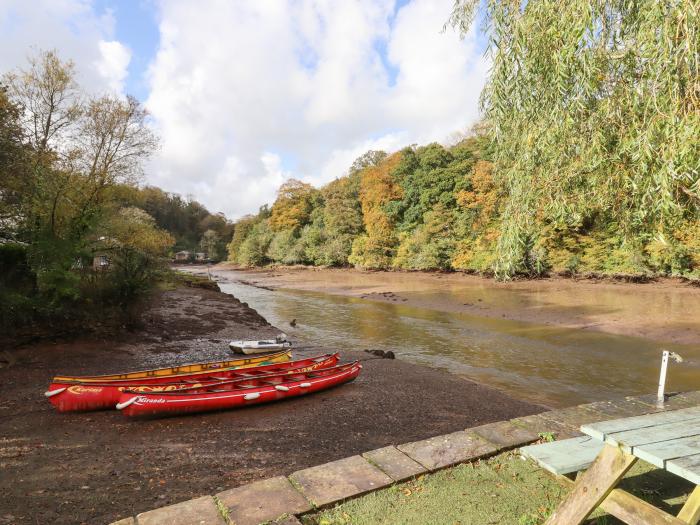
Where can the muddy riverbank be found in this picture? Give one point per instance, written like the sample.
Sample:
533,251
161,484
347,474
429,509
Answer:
666,310
93,468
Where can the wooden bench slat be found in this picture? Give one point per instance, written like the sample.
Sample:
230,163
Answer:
687,467
566,456
630,439
602,429
659,453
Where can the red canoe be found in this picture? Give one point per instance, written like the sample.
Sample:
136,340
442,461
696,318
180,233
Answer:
236,393
76,396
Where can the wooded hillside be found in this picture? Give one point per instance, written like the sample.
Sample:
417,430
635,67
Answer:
588,159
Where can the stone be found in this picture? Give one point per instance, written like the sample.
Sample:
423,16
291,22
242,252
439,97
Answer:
286,520
619,408
125,521
263,501
573,416
650,401
394,463
505,434
339,480
449,449
198,511
673,401
539,425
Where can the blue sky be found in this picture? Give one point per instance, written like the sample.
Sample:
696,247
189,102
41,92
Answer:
245,94
136,25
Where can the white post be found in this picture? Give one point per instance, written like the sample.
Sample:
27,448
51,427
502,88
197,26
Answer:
662,378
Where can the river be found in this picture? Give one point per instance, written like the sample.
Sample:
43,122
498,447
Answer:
551,365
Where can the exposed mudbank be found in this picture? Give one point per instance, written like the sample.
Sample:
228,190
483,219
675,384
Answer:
665,310
97,467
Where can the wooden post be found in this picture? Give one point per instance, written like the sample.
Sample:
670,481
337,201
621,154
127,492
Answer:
593,486
690,513
662,378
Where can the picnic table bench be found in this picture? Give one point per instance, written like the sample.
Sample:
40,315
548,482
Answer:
669,440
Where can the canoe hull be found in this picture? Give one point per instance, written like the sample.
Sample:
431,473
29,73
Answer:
135,405
82,397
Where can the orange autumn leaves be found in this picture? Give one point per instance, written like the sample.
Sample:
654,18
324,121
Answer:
377,247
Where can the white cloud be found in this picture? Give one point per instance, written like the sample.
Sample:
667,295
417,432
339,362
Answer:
74,29
113,64
247,94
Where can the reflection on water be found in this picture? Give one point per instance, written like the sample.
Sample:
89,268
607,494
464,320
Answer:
553,366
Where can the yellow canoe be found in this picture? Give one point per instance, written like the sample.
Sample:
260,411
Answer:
184,370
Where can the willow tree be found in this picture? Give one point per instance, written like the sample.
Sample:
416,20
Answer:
595,112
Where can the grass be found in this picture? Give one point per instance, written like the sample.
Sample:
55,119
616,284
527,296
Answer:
504,490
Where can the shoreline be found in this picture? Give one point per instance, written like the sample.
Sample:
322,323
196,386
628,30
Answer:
613,307
88,467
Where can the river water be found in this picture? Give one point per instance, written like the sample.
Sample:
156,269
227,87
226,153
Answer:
550,365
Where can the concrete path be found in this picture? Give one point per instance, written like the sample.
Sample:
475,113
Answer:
279,500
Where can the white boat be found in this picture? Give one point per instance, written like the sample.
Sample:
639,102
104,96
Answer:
260,346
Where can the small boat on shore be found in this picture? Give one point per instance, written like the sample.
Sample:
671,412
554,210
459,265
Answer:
181,370
260,346
236,393
76,396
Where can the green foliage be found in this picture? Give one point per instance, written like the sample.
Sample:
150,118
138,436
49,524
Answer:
594,110
431,245
190,223
253,250
67,161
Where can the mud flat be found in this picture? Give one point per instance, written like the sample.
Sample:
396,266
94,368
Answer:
97,467
665,310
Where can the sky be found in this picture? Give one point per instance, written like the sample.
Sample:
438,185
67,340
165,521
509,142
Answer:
247,94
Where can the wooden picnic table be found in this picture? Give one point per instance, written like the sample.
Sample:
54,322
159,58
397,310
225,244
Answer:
669,440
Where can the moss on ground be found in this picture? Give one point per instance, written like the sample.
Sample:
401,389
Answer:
503,490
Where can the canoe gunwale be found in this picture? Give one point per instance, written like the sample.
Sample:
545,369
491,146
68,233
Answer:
310,361
216,366
327,372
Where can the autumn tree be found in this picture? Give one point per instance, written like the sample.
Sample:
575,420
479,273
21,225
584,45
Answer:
293,207
376,248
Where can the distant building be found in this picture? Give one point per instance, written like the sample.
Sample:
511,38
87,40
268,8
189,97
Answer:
201,256
100,262
183,256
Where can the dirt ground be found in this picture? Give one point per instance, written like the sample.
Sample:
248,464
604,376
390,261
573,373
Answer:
97,467
614,307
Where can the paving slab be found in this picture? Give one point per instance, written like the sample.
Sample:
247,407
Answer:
339,480
125,521
538,424
199,511
450,449
573,416
263,501
394,463
674,401
688,399
619,408
505,434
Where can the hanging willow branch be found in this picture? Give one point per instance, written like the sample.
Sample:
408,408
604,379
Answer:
595,110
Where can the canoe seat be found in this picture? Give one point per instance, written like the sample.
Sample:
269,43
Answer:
565,456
